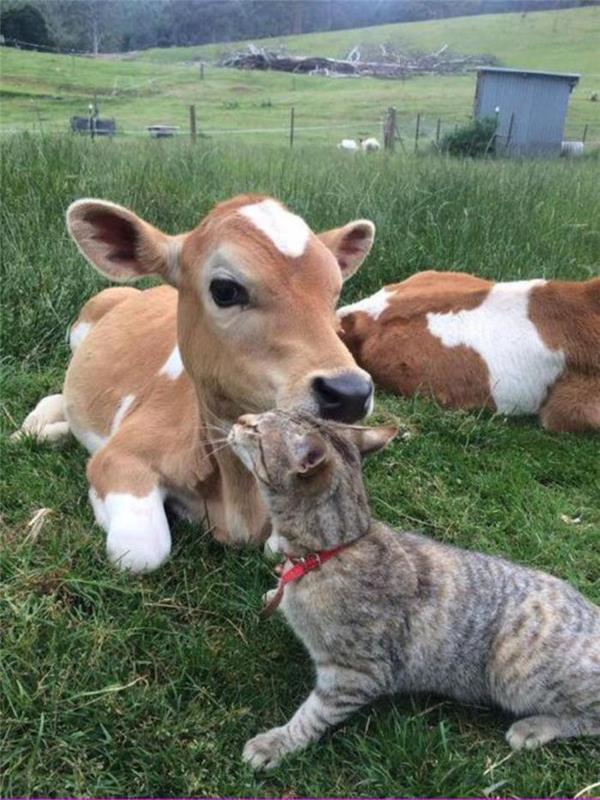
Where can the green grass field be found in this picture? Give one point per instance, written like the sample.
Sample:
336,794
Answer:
42,91
119,685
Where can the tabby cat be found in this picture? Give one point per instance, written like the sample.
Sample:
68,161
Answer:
398,612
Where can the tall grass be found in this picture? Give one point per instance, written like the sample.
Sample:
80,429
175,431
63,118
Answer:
113,685
503,219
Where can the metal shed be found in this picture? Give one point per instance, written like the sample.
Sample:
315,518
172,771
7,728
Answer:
530,107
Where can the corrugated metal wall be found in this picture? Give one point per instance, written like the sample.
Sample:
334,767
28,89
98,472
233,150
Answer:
537,105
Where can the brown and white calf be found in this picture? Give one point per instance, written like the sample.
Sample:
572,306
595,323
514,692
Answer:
522,347
158,376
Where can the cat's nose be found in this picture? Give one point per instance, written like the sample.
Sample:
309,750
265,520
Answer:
248,421
344,398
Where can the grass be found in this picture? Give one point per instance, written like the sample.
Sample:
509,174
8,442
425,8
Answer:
114,685
42,91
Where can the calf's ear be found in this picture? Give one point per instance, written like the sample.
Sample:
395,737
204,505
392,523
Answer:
350,244
121,245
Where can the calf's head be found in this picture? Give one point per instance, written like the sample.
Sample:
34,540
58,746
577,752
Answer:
257,297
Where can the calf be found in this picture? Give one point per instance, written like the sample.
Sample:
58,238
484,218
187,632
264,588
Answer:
158,376
522,347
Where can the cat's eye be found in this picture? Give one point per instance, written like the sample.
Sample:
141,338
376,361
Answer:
227,293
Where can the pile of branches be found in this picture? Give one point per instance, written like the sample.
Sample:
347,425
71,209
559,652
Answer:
394,65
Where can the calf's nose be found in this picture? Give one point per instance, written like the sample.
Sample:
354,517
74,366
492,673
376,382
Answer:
345,397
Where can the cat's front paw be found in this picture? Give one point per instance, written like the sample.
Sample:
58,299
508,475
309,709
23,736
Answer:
266,750
531,732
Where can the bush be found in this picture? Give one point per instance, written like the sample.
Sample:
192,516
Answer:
475,139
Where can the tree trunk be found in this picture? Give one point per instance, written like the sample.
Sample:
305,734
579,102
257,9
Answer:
297,18
329,20
95,32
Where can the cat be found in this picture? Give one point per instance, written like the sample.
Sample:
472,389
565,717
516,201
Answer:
382,612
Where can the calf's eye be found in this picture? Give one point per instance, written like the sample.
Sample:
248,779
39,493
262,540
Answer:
227,293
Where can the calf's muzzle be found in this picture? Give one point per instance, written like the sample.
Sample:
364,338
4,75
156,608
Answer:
345,397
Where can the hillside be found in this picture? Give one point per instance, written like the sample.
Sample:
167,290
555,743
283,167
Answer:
564,40
43,91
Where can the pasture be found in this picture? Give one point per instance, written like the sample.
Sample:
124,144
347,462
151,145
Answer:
41,91
114,685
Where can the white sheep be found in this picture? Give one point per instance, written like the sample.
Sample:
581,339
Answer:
370,145
348,144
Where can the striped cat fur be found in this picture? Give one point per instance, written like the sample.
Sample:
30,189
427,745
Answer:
399,612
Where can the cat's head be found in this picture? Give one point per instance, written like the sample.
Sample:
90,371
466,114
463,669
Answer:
310,474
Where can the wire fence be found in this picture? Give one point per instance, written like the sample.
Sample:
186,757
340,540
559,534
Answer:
412,134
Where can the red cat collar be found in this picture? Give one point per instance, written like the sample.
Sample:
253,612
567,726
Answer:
301,565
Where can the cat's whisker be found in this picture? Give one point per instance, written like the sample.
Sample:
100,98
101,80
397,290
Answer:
219,436
219,449
210,427
216,417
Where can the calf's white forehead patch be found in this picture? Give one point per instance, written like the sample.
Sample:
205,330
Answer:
374,306
288,232
173,366
521,367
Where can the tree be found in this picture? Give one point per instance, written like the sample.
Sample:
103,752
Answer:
25,26
88,25
297,8
110,25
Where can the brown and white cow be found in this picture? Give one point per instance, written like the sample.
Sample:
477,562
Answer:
158,376
522,347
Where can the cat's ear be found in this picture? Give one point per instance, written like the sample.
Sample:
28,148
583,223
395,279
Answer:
370,440
310,454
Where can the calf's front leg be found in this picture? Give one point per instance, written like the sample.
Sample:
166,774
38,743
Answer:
128,503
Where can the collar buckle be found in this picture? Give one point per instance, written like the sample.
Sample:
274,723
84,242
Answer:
308,562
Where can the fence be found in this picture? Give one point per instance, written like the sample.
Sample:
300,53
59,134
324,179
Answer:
290,123
397,131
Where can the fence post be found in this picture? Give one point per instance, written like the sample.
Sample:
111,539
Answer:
39,117
389,130
417,128
193,123
292,114
92,126
584,137
510,129
437,131
202,70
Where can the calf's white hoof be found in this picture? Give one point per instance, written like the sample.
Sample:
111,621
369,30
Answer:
136,551
139,539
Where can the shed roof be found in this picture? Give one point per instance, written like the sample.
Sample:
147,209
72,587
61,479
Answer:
572,77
